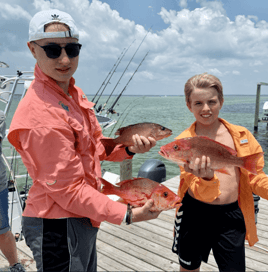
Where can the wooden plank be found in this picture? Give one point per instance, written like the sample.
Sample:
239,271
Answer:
4,264
160,255
21,245
27,262
105,263
120,256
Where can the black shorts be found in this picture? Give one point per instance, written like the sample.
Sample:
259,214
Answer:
67,244
200,227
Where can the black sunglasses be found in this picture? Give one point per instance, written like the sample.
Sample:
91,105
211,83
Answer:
53,50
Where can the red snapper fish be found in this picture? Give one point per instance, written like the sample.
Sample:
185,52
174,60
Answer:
221,156
125,134
138,191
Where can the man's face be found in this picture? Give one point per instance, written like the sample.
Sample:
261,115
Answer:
62,68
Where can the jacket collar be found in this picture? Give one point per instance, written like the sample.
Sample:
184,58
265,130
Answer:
236,131
42,77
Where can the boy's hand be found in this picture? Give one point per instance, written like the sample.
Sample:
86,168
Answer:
200,168
141,144
143,213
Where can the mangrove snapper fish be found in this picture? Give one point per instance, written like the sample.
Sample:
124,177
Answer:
138,191
125,134
187,149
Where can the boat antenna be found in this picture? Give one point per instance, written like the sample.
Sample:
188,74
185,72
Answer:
111,109
107,76
125,69
108,81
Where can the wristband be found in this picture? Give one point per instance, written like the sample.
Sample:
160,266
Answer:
129,215
129,152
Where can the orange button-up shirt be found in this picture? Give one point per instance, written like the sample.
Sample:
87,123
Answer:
207,191
58,138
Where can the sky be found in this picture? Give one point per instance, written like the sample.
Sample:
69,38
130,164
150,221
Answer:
227,38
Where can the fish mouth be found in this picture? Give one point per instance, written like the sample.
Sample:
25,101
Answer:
177,204
163,153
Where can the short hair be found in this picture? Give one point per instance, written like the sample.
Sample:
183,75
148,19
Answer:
202,81
55,23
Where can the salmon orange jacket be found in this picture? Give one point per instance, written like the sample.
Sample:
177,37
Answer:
187,149
138,191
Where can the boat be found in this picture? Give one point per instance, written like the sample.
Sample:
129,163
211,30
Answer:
265,112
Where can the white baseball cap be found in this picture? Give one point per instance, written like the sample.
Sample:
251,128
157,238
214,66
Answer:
44,17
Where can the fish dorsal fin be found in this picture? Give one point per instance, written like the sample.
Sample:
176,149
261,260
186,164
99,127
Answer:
126,181
232,151
120,131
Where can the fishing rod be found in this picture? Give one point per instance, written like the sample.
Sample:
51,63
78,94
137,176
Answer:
111,110
107,76
125,70
108,81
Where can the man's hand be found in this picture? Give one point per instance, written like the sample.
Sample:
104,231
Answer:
143,213
141,144
200,168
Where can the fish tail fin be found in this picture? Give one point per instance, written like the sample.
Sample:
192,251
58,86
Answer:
108,188
109,145
250,162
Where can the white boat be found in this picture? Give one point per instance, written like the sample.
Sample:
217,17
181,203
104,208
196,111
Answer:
265,112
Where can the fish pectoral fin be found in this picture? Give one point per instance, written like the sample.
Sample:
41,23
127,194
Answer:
109,145
223,170
121,200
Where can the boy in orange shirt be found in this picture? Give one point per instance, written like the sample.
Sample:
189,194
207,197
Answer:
218,209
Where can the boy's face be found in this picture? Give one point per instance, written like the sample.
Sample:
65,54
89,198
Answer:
205,105
62,68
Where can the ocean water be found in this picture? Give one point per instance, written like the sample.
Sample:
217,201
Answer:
171,112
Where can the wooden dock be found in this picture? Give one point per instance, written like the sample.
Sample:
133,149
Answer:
146,246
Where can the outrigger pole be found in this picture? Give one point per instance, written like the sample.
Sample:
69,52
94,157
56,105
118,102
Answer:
125,70
111,110
108,75
108,81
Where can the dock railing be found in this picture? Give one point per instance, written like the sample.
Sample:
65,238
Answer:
257,106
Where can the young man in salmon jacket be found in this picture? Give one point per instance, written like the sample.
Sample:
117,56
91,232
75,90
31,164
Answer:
218,209
58,137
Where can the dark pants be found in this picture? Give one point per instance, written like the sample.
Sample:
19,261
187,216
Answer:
67,244
200,227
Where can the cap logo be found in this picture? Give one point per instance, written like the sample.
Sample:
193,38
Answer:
55,17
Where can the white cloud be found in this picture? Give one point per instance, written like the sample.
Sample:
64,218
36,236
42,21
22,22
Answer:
215,72
183,3
13,12
194,41
237,73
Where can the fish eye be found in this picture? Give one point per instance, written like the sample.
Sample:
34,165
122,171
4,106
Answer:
163,128
165,194
176,147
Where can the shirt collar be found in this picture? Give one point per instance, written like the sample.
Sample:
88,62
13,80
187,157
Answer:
41,76
235,131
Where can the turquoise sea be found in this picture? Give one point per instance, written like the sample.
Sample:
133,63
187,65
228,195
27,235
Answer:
171,112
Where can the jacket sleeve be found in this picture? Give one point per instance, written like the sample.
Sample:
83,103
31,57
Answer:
259,182
51,159
203,190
